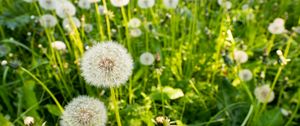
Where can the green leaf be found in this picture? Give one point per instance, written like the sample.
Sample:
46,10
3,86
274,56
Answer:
30,99
173,93
4,121
138,75
53,109
271,118
157,95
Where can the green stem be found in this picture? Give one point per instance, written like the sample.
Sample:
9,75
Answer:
99,24
126,29
248,116
116,107
278,71
107,21
45,88
161,92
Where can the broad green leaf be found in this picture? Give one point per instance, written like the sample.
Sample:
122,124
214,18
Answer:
173,93
4,121
271,118
29,98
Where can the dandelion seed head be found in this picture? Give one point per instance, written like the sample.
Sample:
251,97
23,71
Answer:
146,3
224,3
147,58
28,120
119,3
48,21
69,22
102,10
4,62
48,4
245,7
264,94
277,26
65,9
240,56
58,45
88,28
135,32
84,111
84,4
170,4
106,64
227,5
284,112
245,75
220,2
134,23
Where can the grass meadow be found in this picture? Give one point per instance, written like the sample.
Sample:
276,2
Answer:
149,62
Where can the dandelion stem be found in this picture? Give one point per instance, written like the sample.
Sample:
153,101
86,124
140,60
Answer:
116,107
278,72
107,22
130,92
99,24
45,88
126,29
161,92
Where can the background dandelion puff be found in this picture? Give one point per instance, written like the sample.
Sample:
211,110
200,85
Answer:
107,64
84,111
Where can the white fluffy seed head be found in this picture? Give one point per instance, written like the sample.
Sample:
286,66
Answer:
284,112
48,4
134,23
48,21
4,62
102,10
220,2
28,120
170,4
146,3
227,5
65,9
245,75
147,58
240,56
245,7
224,3
84,4
58,45
70,23
135,32
264,94
88,28
119,3
84,111
277,26
107,64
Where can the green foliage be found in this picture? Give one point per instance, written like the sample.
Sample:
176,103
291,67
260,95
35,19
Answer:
193,81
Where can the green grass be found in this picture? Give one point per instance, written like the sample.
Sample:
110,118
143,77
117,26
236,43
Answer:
190,45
